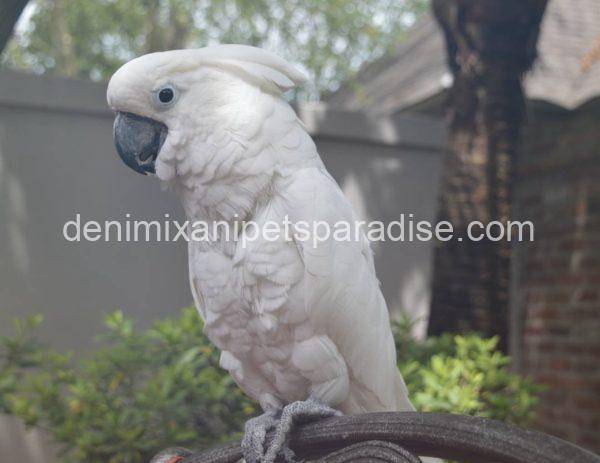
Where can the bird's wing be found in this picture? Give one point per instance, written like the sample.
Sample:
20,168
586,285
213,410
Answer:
342,296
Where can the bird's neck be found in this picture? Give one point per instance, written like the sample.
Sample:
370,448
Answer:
228,169
232,201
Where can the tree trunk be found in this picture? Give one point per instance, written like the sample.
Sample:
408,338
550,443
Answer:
10,10
490,44
152,31
181,25
66,62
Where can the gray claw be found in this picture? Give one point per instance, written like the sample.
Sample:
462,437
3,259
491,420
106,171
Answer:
288,454
255,433
305,410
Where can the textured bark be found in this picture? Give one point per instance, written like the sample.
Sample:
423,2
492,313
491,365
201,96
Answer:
10,10
490,44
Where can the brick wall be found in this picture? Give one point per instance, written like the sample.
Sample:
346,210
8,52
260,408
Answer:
556,297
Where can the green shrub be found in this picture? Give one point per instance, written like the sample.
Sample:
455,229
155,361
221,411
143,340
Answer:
144,391
464,374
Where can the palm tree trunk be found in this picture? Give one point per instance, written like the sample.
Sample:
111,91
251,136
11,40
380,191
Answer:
10,10
490,44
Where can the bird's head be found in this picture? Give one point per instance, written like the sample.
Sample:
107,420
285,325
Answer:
162,99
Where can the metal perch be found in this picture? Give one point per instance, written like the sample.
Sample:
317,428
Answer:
400,436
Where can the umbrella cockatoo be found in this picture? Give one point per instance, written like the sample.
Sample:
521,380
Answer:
302,325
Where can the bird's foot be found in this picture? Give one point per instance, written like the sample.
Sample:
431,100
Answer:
302,411
255,433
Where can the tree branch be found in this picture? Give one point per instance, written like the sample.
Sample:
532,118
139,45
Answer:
455,437
10,10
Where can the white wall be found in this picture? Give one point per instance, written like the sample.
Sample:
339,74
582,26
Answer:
57,159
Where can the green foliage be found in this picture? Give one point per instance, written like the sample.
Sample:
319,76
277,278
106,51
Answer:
142,391
463,374
91,38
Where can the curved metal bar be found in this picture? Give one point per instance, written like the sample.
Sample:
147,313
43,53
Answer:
455,437
371,451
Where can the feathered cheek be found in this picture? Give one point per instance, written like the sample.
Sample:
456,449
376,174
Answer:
173,158
165,171
173,147
177,138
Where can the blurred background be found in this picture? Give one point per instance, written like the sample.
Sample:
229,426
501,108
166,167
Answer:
447,110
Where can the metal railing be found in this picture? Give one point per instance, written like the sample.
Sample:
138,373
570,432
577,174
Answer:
399,437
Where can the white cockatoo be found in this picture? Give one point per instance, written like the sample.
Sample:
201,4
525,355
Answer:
302,325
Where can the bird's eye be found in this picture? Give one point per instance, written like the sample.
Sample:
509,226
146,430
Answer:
165,96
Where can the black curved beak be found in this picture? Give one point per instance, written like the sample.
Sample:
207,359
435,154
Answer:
138,140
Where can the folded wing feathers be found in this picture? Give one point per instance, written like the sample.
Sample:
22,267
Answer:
344,297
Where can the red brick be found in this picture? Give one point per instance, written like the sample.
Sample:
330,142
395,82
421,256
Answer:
587,402
587,295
